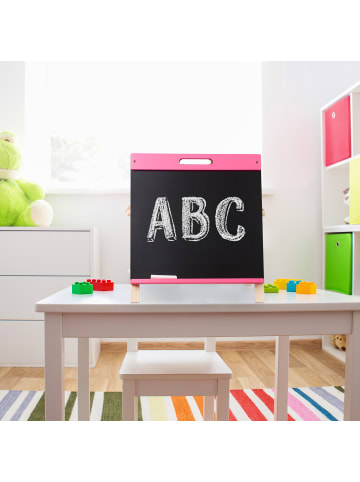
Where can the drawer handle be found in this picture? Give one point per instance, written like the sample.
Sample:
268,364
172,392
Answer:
333,115
337,243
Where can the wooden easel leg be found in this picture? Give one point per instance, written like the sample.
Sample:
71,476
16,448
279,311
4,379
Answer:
134,293
259,293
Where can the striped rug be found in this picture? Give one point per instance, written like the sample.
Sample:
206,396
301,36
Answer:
313,404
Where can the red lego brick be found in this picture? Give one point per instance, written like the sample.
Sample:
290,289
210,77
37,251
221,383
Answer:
102,284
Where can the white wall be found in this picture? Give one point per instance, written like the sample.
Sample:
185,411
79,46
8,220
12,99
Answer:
293,93
191,107
159,106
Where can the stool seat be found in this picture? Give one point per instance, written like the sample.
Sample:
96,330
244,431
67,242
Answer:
165,364
176,372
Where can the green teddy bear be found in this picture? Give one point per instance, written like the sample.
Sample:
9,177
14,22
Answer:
21,202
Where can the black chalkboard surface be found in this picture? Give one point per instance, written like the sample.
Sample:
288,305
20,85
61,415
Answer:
200,224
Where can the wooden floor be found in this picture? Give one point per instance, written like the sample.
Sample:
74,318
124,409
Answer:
251,369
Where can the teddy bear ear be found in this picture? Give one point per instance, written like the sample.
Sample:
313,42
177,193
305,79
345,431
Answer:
8,137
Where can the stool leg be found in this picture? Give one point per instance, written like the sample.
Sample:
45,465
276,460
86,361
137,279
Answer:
209,408
223,400
128,397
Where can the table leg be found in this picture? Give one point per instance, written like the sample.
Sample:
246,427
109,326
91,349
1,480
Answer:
83,379
210,343
54,368
281,378
132,344
352,376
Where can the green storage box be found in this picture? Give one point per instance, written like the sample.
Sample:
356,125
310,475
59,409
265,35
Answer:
338,264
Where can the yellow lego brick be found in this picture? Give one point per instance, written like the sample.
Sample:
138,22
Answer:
306,288
282,282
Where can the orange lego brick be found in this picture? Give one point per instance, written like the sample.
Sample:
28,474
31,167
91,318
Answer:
306,288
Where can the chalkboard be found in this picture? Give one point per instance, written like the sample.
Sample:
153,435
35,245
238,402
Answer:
198,223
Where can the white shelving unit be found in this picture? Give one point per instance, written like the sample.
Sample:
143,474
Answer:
36,263
334,179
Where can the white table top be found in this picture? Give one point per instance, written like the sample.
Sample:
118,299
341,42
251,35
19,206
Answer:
194,299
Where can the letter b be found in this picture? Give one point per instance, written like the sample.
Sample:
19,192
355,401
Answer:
189,217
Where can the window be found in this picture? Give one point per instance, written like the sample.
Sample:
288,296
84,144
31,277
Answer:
83,119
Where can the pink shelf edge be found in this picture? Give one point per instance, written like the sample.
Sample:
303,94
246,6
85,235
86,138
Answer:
196,281
220,162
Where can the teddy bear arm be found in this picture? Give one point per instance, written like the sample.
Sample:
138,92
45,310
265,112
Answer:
33,191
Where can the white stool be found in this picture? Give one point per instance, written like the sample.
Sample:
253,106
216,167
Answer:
176,372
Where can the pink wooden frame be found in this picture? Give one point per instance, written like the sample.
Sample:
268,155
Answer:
179,281
220,162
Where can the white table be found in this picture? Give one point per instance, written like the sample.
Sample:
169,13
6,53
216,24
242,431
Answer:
201,311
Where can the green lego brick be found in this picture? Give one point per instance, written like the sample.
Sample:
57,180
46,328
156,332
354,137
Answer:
269,288
82,288
338,265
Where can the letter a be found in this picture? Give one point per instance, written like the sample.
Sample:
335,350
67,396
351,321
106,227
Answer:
188,218
161,219
221,217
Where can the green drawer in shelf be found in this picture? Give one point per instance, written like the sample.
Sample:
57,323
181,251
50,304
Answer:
338,263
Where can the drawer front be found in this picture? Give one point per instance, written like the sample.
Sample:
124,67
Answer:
338,274
337,132
18,294
45,253
22,344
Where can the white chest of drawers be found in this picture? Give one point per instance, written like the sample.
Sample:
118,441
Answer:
34,263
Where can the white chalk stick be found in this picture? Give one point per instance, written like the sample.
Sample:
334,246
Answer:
157,276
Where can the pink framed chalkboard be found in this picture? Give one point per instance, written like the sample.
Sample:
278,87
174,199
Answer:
196,218
219,162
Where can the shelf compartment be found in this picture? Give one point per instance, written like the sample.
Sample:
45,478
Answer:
338,262
335,181
337,124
